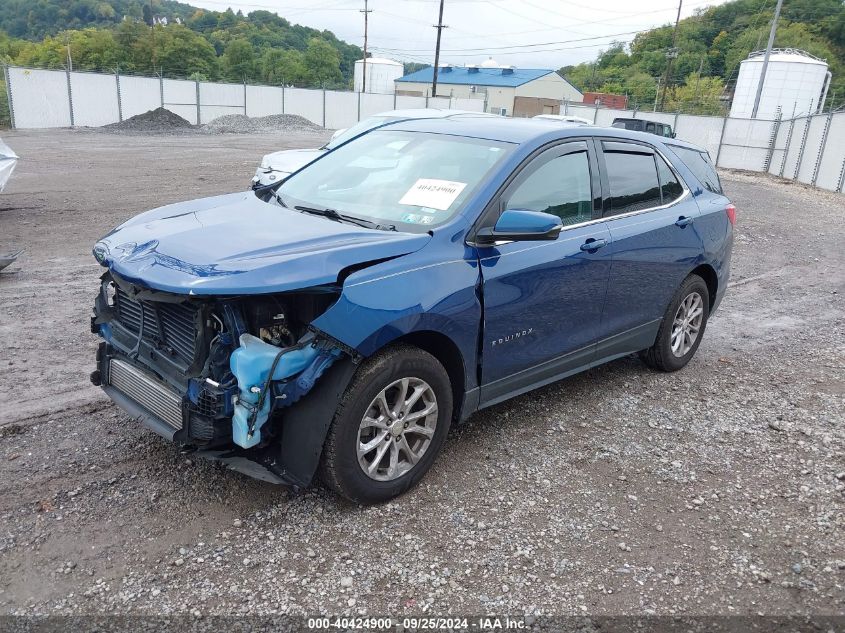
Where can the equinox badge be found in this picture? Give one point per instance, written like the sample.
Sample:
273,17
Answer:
511,337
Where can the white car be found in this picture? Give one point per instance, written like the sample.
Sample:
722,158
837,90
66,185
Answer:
565,118
277,166
8,160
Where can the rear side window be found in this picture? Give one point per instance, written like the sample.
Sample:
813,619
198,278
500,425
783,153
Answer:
628,125
560,186
633,182
670,187
700,165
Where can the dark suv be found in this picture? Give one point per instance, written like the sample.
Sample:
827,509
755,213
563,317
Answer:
642,125
401,282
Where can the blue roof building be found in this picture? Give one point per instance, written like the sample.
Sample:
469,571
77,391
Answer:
506,90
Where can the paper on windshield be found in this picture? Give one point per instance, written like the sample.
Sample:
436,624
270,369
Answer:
433,193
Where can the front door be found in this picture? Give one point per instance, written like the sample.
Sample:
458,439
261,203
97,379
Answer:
543,300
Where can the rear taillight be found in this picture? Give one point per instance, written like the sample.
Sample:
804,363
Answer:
731,211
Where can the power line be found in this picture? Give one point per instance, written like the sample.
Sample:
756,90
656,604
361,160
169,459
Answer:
522,46
394,51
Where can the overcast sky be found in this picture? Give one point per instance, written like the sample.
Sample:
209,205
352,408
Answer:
525,33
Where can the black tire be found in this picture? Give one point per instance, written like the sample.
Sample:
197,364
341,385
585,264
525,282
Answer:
339,466
660,356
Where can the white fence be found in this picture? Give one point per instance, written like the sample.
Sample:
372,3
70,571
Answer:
57,98
810,150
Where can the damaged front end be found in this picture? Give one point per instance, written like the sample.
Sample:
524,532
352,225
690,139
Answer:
220,375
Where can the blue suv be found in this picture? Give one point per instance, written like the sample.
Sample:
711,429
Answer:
401,282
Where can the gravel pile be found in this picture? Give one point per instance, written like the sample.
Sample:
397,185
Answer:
162,121
158,121
242,124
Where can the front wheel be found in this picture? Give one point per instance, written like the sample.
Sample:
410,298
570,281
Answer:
389,426
682,327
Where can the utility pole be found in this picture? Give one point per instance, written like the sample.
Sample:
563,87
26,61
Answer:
69,58
671,54
153,32
766,60
366,11
439,26
656,95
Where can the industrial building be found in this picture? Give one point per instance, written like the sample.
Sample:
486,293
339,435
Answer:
505,90
381,73
796,83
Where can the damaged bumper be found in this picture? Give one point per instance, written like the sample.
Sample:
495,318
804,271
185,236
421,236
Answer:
192,373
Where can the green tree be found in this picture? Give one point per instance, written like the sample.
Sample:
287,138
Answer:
641,88
283,66
183,52
239,61
322,63
698,95
90,49
145,50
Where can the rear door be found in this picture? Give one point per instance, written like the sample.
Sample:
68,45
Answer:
543,300
655,242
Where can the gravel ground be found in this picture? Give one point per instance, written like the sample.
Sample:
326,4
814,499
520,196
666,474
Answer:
716,490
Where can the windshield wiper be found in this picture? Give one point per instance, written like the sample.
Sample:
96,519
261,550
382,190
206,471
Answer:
340,217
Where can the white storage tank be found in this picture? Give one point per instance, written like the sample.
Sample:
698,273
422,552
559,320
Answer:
795,81
380,75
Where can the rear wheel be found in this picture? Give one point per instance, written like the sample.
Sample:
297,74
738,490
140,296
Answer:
389,426
682,327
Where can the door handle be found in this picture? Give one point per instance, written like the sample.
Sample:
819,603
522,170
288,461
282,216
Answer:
683,221
593,245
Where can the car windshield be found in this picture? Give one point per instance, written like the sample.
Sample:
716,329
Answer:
411,180
359,128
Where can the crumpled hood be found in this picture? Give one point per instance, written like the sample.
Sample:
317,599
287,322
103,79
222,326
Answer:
236,244
289,161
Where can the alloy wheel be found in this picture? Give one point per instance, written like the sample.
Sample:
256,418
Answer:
397,429
687,324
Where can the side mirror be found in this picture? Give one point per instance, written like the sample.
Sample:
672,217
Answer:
521,225
338,133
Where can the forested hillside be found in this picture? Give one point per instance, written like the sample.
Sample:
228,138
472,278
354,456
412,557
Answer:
132,36
715,41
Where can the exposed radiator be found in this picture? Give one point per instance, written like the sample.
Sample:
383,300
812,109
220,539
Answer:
149,393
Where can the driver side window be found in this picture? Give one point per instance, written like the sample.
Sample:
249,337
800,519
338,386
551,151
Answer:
561,186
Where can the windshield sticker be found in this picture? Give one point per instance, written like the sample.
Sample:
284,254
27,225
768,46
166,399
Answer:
433,193
417,218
